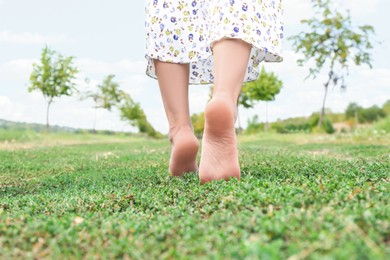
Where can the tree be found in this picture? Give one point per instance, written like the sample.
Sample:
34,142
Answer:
54,77
109,96
198,123
265,88
386,107
372,114
106,96
353,111
134,113
110,93
364,115
253,125
327,125
332,43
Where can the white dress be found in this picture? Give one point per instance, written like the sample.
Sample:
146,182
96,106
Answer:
182,31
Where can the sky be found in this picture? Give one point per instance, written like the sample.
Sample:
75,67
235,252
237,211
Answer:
107,37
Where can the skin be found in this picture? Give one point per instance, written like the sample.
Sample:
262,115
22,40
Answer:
173,81
219,156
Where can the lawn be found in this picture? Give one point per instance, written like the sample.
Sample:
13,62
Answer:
93,197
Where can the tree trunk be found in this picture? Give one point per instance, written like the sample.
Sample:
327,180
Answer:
322,114
239,120
47,114
326,85
356,118
266,117
94,122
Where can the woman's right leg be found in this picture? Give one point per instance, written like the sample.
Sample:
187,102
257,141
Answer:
173,81
219,158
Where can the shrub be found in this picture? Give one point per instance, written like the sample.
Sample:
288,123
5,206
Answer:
198,124
292,125
365,115
254,126
383,125
326,124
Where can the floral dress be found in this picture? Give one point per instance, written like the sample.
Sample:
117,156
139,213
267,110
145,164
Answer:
183,31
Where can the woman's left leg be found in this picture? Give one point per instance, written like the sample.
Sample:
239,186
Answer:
173,82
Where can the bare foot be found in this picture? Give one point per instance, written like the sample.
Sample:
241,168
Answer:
183,153
219,158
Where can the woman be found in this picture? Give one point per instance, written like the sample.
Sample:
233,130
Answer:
201,42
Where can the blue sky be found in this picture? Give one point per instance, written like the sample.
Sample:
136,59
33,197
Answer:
107,37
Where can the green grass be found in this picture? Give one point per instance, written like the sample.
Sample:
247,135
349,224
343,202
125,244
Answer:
383,125
300,196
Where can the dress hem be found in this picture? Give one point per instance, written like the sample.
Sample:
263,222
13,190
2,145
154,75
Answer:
277,58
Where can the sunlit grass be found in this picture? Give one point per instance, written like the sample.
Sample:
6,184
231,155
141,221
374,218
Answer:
96,196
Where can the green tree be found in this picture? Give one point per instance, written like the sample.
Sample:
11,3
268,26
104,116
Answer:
198,123
327,125
386,107
353,110
372,114
332,42
106,96
54,76
110,93
133,112
253,125
364,115
265,88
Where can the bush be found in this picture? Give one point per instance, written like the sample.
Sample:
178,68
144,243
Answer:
383,125
198,124
254,126
372,114
365,115
336,117
292,125
12,135
286,128
386,107
326,124
279,128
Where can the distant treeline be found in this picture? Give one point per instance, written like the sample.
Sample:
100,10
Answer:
20,126
351,118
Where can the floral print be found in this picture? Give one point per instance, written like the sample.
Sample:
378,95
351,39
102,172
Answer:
183,31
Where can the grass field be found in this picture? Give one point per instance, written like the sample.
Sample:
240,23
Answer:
92,197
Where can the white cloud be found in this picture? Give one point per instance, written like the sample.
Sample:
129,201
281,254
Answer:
135,84
10,110
368,86
361,7
297,10
92,66
18,69
30,38
381,76
129,73
156,116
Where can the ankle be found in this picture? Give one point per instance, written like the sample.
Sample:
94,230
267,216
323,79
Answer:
227,91
229,100
175,130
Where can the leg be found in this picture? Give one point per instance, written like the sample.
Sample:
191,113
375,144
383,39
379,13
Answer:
173,82
219,159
